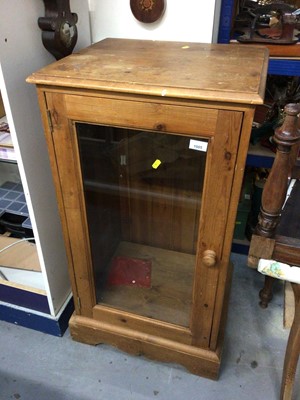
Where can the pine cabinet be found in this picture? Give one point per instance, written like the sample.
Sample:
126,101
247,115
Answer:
148,142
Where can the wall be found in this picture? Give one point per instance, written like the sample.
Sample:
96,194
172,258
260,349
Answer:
21,53
189,20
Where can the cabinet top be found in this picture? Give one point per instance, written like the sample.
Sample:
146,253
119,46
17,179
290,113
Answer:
210,72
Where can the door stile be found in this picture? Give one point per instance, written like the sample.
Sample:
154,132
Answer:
71,194
222,156
225,273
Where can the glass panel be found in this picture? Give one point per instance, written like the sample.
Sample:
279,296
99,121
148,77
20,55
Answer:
143,196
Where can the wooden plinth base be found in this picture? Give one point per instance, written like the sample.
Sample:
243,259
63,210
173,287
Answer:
198,361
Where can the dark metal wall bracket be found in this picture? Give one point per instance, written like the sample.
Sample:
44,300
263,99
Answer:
59,34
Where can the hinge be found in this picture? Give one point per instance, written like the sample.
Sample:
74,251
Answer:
79,303
50,120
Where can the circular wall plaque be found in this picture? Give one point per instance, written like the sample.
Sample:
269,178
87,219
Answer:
147,10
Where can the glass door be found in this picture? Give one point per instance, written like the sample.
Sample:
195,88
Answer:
142,193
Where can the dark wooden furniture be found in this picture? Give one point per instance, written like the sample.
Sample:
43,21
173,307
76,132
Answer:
148,142
277,235
59,31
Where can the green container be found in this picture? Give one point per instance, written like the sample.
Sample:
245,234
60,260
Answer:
241,219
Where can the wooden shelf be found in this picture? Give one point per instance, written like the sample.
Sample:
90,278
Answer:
286,51
276,50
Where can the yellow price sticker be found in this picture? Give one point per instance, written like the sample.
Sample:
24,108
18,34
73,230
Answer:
156,164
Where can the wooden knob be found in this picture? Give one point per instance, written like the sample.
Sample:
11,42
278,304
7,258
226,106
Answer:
209,258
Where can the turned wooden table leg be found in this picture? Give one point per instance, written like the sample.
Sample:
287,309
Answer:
292,350
266,292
